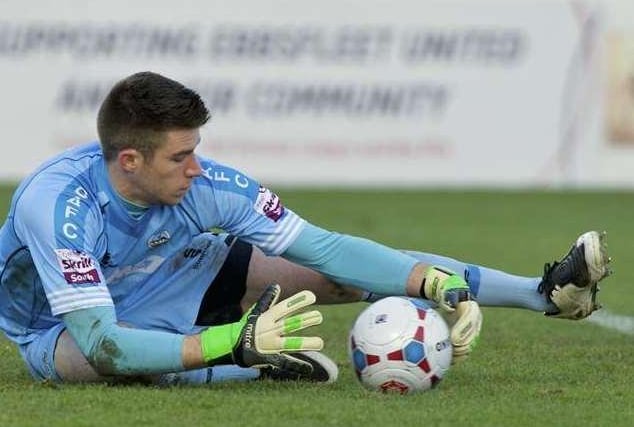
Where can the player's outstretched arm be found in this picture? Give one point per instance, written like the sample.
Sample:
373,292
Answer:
258,339
382,270
261,337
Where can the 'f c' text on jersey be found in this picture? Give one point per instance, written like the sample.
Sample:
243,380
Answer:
71,210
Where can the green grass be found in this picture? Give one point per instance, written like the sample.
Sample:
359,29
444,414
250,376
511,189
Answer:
528,370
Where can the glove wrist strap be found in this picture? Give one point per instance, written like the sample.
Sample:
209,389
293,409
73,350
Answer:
429,287
217,343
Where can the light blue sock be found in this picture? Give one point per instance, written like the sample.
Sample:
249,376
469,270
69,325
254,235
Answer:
493,287
233,373
210,375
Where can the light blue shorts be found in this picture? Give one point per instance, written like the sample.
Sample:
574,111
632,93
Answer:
38,354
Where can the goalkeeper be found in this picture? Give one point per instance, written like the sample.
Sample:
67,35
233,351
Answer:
109,270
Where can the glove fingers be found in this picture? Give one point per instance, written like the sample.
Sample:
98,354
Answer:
267,299
292,304
300,343
460,353
291,324
460,350
466,330
458,358
275,343
467,325
299,322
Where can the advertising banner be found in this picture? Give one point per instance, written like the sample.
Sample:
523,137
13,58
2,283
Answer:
334,92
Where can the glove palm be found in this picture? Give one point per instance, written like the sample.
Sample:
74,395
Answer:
260,337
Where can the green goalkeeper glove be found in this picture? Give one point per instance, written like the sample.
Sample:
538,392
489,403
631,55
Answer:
445,288
259,338
462,313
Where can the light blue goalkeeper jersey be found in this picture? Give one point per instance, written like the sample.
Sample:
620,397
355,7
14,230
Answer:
69,244
84,250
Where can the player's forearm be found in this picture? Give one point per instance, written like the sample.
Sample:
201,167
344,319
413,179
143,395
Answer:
356,261
116,350
138,352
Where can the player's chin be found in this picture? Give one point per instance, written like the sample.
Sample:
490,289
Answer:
176,197
173,199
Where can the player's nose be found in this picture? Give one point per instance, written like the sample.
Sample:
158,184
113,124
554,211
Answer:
193,168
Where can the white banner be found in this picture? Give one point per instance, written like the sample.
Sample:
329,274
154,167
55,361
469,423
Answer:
401,92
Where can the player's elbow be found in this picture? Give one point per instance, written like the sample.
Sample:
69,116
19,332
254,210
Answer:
106,357
103,342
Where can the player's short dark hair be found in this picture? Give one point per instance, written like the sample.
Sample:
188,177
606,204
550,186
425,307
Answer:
140,107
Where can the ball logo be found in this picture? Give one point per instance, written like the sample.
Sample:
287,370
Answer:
380,318
394,386
77,267
441,345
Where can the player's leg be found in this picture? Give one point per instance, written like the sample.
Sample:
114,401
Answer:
293,278
249,265
567,289
492,287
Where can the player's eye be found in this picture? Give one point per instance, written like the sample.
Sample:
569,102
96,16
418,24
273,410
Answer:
180,158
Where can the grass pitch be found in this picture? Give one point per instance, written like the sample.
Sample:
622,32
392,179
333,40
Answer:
527,370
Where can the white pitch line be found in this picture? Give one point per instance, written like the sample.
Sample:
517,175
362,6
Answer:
617,322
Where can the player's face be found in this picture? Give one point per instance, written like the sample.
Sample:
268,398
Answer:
166,177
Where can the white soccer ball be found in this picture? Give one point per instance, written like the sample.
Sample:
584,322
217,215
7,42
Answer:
400,344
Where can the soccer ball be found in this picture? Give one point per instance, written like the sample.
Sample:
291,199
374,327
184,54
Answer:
400,344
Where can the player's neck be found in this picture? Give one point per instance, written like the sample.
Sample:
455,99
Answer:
123,188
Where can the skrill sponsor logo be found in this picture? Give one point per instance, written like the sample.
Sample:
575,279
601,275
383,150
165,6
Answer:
82,278
77,267
77,264
268,204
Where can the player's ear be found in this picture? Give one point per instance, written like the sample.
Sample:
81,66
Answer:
129,159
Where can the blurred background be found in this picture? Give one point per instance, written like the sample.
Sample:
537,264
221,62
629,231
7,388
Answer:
341,93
